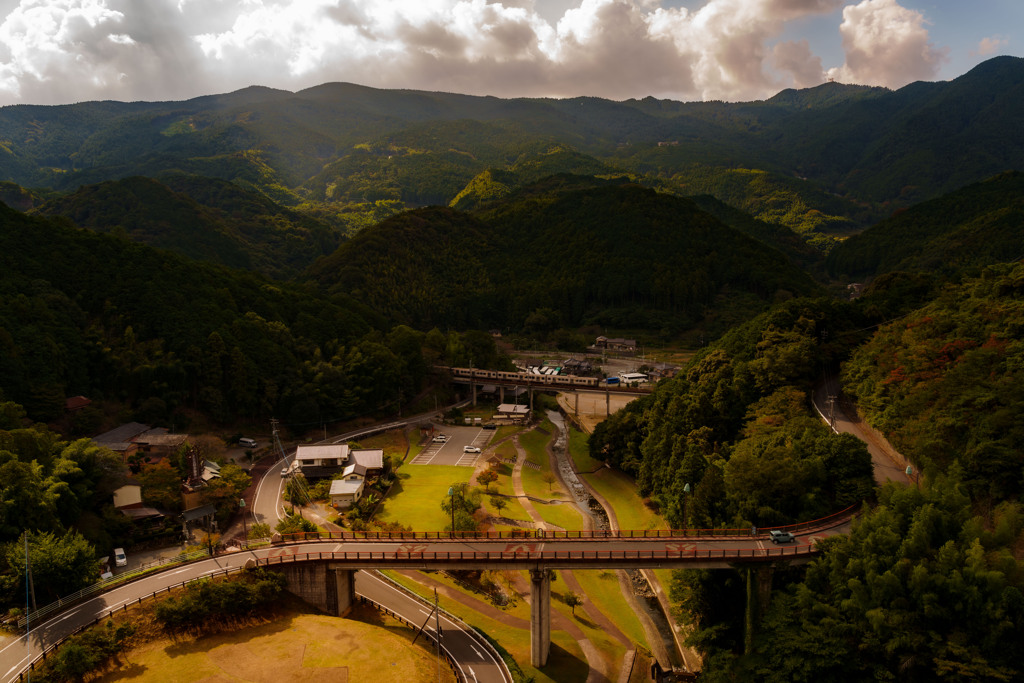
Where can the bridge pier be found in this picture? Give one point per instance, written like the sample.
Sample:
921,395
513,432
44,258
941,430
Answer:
759,592
540,616
327,587
473,385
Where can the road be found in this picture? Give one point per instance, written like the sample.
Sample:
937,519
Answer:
833,410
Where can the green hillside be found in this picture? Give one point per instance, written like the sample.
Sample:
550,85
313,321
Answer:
205,219
87,313
607,253
971,227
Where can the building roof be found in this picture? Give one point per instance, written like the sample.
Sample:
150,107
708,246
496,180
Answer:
314,452
354,468
341,487
513,409
125,434
76,402
370,458
196,513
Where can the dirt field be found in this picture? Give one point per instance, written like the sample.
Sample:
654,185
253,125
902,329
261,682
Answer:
592,406
297,648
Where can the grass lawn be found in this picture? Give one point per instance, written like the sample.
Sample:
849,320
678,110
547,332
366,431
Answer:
306,647
616,487
415,498
602,588
564,515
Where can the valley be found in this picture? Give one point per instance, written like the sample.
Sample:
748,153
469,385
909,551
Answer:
316,260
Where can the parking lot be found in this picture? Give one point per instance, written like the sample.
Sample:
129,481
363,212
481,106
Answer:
452,451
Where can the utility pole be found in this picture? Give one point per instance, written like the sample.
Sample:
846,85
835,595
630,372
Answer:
832,411
437,635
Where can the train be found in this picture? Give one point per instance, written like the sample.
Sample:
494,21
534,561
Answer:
524,378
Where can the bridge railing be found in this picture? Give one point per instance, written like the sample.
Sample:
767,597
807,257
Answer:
103,585
541,534
526,557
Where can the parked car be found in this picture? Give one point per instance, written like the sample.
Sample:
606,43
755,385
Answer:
490,425
120,559
440,438
246,442
470,449
781,536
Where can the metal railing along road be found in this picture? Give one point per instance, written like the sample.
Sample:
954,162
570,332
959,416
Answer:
105,584
567,558
595,534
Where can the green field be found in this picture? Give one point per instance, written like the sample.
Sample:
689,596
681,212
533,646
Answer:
415,499
617,488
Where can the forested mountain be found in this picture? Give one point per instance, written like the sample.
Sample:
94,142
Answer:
347,152
969,228
205,219
87,313
608,253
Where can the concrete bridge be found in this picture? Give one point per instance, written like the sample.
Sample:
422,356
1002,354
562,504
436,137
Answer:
320,569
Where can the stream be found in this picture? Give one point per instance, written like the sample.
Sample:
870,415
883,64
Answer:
590,506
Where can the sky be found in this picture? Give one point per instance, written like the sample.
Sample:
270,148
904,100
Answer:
64,51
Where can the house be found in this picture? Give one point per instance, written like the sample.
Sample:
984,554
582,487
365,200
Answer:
128,500
345,492
76,403
369,460
136,438
317,462
512,412
616,344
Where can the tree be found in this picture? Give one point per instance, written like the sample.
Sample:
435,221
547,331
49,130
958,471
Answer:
161,484
61,564
549,478
224,491
498,503
573,600
486,478
295,524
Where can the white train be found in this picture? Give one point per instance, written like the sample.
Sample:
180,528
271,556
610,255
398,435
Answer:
523,378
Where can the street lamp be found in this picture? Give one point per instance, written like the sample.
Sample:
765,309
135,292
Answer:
245,530
686,489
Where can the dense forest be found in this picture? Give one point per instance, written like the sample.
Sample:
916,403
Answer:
929,584
592,253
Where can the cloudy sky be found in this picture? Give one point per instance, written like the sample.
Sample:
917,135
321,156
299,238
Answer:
59,51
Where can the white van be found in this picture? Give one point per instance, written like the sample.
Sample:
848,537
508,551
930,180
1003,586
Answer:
120,559
246,442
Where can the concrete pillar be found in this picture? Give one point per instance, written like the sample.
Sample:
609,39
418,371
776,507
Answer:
750,614
345,584
576,406
531,399
607,402
501,393
473,385
540,616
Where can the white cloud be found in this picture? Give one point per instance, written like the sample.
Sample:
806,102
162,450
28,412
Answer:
67,50
795,58
886,44
990,46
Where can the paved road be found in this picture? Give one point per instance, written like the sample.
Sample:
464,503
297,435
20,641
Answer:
845,420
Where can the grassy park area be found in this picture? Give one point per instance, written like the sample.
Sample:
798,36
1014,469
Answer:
415,498
292,646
